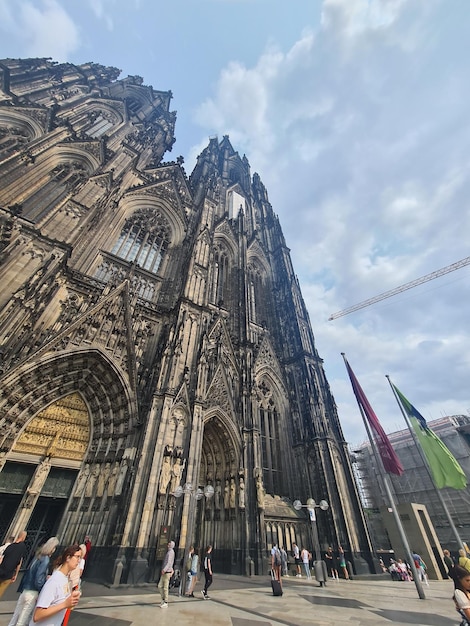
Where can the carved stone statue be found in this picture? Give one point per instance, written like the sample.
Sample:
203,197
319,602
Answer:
260,493
113,480
82,480
102,478
233,491
226,494
40,477
89,488
176,471
217,495
121,478
165,475
241,494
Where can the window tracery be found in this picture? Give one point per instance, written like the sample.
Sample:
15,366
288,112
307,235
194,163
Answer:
220,276
144,239
62,180
11,140
270,440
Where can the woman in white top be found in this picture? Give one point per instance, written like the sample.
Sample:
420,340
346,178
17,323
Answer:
462,592
57,596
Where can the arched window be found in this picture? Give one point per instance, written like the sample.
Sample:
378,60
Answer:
270,441
63,180
220,277
144,239
11,140
258,295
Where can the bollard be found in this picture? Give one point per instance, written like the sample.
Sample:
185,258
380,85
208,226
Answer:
350,569
319,568
118,573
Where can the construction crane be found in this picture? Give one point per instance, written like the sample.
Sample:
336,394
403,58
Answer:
401,288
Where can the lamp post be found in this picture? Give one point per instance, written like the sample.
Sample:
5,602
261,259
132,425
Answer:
194,496
319,565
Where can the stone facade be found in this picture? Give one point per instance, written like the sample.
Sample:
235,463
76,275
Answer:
153,336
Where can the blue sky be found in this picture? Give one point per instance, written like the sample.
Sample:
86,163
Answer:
355,115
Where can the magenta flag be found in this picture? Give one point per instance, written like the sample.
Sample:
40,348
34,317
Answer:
389,458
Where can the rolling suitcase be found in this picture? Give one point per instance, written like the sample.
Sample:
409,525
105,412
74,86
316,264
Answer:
275,585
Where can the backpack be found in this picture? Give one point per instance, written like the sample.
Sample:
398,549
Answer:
277,557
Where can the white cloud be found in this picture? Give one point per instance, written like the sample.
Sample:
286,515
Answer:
103,11
40,29
360,133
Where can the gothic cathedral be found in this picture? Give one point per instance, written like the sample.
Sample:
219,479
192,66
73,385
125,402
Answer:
159,378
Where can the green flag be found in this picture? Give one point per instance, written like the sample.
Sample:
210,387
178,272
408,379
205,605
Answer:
445,470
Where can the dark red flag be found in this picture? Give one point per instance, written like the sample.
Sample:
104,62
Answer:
389,458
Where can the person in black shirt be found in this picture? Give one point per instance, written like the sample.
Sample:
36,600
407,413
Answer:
12,559
207,571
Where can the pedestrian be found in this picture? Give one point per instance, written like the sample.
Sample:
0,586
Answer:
331,563
192,570
464,561
207,572
284,563
403,570
5,546
57,595
276,563
76,579
342,562
449,563
305,557
296,554
12,560
32,583
87,542
462,593
420,568
166,572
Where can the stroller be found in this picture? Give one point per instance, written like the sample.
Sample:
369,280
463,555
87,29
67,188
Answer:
175,580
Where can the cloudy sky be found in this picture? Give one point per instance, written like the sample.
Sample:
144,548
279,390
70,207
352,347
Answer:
355,113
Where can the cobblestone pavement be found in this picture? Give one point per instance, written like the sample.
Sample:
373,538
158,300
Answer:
240,601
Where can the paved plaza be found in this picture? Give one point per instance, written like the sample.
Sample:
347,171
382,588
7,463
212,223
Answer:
240,601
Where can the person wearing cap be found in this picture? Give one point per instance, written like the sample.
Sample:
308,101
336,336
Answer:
167,571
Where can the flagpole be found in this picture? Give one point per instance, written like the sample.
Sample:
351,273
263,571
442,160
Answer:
387,487
426,465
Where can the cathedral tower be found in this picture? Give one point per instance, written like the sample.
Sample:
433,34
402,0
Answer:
159,377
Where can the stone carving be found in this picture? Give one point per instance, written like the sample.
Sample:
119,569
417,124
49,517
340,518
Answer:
260,492
241,493
82,480
227,494
233,491
217,495
165,475
89,487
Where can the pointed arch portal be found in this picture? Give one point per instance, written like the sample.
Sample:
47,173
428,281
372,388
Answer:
218,519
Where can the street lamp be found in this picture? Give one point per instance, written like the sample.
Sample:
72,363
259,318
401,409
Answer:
319,565
188,489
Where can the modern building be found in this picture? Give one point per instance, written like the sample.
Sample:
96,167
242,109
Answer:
159,377
415,484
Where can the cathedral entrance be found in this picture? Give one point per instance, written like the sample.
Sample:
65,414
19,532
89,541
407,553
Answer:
220,520
43,524
40,472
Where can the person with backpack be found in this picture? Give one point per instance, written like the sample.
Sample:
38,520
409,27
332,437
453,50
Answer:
32,583
284,563
276,562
